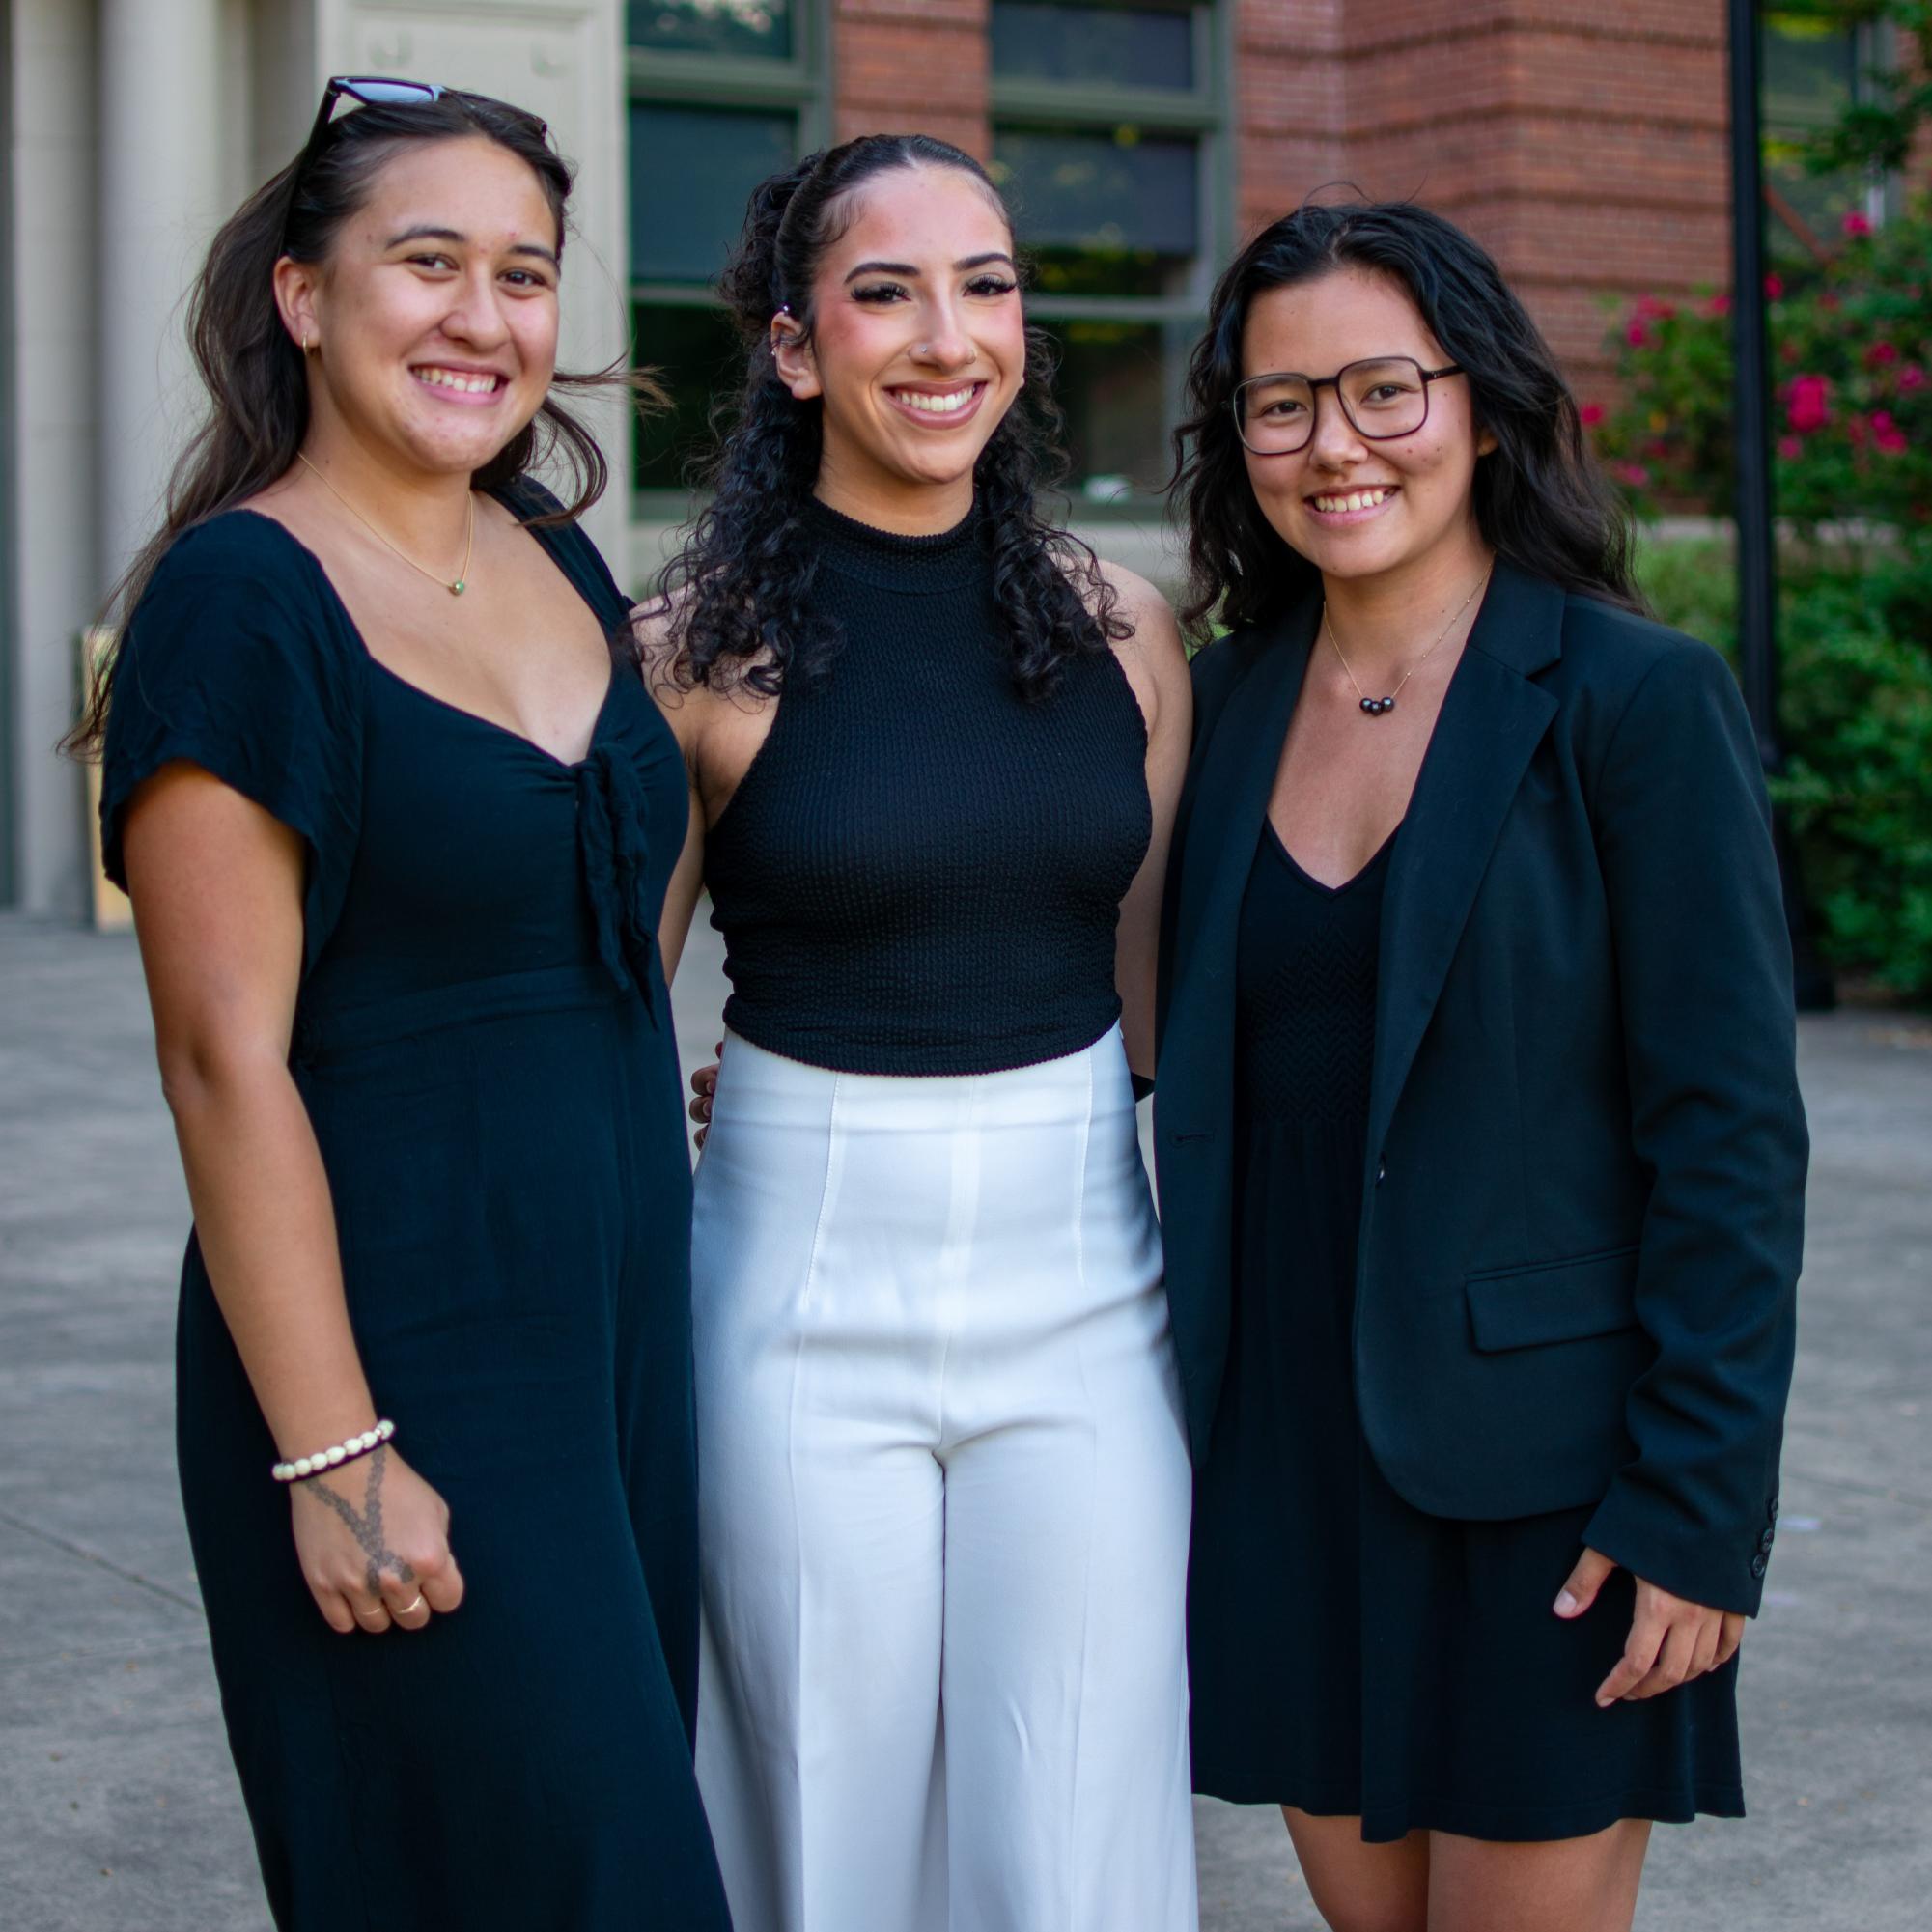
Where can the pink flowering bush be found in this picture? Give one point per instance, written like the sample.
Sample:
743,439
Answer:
1851,431
1851,345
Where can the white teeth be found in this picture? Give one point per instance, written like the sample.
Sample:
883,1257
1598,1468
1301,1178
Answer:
935,405
1354,499
448,378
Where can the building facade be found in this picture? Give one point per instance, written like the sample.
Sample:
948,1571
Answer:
1137,140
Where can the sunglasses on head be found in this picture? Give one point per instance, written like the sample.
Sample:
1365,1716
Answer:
386,91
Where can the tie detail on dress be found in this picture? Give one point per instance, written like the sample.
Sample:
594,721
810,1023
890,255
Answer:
613,826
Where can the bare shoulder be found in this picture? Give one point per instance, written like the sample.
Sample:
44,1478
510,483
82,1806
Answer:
1156,635
1151,653
719,723
659,647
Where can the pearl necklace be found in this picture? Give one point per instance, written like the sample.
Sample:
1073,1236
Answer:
1380,707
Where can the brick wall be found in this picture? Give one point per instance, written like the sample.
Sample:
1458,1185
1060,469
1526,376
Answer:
1583,145
911,66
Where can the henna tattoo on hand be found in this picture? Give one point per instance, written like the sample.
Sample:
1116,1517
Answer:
365,1525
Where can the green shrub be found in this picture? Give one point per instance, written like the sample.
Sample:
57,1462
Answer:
1850,344
1854,722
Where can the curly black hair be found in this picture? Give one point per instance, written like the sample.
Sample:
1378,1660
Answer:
1541,500
736,599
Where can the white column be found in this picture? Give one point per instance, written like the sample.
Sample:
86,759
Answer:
163,113
54,411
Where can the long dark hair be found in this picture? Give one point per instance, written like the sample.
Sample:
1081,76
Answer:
254,372
1541,501
737,595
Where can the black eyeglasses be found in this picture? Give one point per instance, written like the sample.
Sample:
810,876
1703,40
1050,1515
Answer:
1383,397
386,91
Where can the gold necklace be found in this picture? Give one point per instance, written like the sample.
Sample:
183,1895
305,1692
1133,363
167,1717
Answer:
1380,707
455,588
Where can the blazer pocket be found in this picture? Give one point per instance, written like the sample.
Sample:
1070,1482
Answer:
1553,1300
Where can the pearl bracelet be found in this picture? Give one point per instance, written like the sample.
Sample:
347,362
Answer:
327,1459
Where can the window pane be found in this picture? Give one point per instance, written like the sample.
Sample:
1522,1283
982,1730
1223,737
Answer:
696,355
1113,387
1124,47
758,27
1796,196
692,170
1810,77
1811,71
1108,191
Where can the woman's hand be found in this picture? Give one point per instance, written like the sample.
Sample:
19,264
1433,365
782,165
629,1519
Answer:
372,1538
1671,1640
703,1086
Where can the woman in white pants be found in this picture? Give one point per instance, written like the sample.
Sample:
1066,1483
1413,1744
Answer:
935,748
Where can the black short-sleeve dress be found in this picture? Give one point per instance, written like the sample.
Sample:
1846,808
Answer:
483,1041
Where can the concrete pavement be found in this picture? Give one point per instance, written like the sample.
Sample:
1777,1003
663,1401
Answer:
118,1807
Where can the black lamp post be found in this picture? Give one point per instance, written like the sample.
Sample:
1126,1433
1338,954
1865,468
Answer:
1751,503
1751,344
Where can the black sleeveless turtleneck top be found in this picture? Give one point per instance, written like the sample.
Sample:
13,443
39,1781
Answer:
922,870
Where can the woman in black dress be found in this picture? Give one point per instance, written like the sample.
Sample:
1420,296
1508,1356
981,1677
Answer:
397,835
1481,1155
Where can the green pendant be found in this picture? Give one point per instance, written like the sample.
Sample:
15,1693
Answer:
457,588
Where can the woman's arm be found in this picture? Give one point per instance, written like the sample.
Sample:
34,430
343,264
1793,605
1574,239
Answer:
1704,974
686,712
687,880
216,883
1156,668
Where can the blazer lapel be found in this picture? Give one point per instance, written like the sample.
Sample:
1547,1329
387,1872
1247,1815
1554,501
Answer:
1236,771
1493,718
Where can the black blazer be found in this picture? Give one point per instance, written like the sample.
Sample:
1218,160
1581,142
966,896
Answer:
1583,1206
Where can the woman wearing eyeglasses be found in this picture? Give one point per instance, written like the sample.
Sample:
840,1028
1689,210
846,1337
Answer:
397,833
1481,1157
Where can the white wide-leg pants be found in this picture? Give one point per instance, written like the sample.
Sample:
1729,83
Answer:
943,1470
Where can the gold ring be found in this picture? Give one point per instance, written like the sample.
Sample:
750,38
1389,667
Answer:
408,1609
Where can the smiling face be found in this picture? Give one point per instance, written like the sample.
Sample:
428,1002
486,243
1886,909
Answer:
435,310
1357,508
917,344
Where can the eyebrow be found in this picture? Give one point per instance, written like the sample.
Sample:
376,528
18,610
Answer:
960,267
428,231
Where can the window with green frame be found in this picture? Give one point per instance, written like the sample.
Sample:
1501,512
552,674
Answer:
1811,71
722,92
1105,140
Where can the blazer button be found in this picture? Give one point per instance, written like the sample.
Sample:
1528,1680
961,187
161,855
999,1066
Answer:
1771,1509
1764,1541
1757,1564
1380,1172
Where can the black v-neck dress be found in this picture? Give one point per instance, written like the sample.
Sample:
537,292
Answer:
1348,1654
484,1046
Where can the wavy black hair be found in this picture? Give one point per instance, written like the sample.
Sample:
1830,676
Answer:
1541,500
736,599
256,376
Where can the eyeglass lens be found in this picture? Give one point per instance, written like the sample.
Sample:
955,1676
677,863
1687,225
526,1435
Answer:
1383,398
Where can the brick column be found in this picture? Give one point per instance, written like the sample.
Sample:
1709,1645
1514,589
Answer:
1610,171
911,67
1288,104
1583,145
